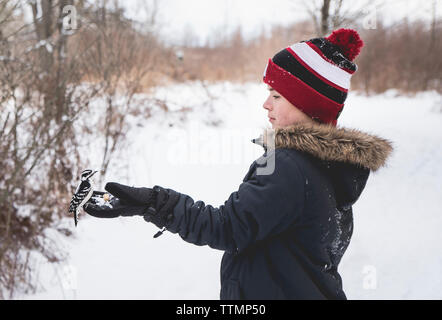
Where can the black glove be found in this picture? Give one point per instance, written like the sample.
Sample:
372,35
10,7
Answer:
155,205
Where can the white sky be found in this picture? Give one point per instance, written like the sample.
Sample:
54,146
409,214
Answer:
207,16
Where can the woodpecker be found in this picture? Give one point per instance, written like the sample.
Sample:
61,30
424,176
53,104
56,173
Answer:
82,194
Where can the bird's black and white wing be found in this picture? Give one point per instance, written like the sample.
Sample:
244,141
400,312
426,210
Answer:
80,197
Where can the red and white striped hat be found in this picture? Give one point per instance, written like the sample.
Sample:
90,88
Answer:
315,75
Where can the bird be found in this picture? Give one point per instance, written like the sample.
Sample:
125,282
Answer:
82,194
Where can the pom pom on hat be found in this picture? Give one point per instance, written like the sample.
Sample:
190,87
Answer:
348,41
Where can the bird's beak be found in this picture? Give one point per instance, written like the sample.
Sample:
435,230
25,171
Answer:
93,173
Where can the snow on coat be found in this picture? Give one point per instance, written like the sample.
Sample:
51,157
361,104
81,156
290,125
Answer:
285,233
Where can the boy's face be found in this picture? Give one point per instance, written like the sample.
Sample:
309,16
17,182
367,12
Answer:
281,112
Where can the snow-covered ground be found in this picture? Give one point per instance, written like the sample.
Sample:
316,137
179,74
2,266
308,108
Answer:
396,249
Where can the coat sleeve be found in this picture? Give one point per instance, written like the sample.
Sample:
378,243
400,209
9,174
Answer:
263,205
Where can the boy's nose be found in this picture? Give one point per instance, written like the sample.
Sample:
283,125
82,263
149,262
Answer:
267,105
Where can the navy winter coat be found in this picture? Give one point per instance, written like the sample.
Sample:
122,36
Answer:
284,233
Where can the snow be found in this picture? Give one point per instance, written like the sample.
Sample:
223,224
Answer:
395,251
42,43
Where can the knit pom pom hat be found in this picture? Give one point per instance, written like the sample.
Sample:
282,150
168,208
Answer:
315,75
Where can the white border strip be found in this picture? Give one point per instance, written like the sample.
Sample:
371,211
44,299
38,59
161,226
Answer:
324,68
265,69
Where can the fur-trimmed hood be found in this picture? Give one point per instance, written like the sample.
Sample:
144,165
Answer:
331,143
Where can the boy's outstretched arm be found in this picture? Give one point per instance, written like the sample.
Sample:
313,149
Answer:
263,205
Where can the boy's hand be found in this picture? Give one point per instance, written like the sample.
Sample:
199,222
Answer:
126,201
155,205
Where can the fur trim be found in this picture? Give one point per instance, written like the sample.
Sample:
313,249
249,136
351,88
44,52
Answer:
331,143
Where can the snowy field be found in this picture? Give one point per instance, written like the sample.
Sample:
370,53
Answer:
396,249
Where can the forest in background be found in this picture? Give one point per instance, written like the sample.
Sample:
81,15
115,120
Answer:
50,73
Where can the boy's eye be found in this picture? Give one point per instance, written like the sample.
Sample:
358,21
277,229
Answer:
276,97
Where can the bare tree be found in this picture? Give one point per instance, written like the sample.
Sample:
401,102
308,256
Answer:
433,43
328,15
44,105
